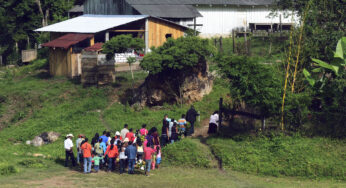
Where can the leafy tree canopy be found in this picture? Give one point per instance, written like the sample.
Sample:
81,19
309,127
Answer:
252,83
324,25
121,44
179,54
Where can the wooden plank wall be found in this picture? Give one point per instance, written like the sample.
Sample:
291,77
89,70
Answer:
158,30
58,62
108,7
64,63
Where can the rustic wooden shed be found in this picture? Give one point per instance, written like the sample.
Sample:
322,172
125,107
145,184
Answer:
65,54
71,36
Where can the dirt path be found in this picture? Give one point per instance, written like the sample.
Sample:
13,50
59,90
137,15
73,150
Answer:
113,100
201,133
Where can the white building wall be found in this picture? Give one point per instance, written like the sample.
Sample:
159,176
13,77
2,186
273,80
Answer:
221,20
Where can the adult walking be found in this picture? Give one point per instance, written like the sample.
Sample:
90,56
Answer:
131,153
68,144
213,122
164,132
86,149
191,115
112,152
124,131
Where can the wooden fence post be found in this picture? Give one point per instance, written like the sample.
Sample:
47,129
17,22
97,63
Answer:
221,48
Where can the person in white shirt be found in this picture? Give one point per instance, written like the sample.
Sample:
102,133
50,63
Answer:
213,123
124,131
68,145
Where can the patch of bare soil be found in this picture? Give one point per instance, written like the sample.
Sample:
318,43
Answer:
58,181
201,133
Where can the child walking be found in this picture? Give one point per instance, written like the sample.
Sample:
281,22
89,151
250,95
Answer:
96,160
158,157
122,159
148,152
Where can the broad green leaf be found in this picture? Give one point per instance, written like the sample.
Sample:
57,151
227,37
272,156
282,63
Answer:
317,70
308,77
341,48
326,65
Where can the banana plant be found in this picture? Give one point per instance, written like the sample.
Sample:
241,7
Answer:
337,65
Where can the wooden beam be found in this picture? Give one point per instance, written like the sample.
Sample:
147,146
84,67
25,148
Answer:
92,41
129,31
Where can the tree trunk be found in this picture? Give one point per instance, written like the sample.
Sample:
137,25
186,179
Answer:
263,123
38,2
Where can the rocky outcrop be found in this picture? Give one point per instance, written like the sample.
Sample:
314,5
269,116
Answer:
37,141
44,138
50,136
186,86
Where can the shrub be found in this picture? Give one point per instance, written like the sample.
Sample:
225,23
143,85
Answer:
121,44
187,153
282,156
176,55
252,83
33,163
7,169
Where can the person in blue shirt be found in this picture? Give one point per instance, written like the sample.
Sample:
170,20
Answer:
104,137
131,153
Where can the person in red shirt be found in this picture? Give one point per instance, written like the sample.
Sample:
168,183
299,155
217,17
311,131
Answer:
112,152
130,136
86,150
148,152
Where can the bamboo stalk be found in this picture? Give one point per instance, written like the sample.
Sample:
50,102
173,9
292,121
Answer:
286,76
299,45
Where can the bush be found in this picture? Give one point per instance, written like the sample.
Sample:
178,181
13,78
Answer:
283,156
176,55
7,169
187,153
252,83
32,163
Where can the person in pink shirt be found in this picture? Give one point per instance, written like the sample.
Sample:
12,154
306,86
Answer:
148,152
144,130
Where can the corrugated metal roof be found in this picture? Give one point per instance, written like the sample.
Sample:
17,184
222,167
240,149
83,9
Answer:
91,23
168,11
67,40
77,8
201,2
94,48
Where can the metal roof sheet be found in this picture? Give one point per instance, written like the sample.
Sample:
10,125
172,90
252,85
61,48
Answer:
95,48
91,23
168,11
77,8
201,2
67,40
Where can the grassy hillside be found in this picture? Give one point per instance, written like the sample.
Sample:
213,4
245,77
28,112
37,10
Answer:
31,102
35,103
283,156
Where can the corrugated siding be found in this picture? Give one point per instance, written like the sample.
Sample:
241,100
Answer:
220,20
108,7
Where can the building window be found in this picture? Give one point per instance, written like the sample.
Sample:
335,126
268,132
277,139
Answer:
169,35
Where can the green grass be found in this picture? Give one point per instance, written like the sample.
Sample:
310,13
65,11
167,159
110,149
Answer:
283,156
188,153
58,176
35,103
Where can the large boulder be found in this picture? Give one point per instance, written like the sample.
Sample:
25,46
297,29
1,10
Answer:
37,141
50,136
175,87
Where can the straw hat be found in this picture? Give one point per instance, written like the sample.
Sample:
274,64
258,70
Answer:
69,135
117,133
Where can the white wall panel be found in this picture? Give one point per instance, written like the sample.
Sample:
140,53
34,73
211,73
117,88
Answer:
220,20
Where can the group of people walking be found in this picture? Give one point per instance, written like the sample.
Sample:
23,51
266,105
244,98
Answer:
128,149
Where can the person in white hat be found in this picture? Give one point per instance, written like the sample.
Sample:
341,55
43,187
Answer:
68,145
